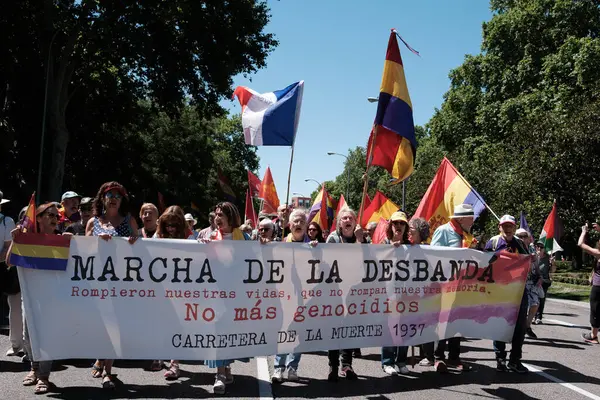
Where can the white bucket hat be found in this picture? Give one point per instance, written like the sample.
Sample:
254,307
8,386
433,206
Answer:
463,211
190,217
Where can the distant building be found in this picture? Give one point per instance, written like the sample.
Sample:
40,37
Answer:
301,202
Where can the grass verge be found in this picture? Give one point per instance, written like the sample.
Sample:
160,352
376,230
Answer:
568,291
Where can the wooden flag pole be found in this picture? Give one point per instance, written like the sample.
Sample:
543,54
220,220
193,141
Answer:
287,195
366,175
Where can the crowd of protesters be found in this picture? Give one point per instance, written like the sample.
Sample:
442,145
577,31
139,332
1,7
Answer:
108,215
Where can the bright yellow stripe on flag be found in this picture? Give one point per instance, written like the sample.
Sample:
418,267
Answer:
32,250
385,211
403,164
394,82
456,194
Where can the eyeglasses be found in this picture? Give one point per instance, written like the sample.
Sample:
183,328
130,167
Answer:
111,195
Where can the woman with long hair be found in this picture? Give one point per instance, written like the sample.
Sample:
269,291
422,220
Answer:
172,225
111,218
393,358
47,222
227,223
315,232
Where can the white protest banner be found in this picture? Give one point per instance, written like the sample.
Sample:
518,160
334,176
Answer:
179,299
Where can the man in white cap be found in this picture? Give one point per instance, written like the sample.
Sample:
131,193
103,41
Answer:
455,233
507,241
10,285
68,213
191,221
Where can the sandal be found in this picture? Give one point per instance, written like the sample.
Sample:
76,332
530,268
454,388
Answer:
97,370
43,386
173,372
31,379
156,365
107,382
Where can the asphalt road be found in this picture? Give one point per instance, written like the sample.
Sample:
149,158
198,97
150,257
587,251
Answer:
566,368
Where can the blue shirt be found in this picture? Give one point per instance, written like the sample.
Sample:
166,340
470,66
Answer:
446,236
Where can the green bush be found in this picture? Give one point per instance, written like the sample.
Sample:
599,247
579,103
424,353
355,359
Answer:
563,266
573,279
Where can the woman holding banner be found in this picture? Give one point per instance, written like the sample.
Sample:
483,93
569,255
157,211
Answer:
172,225
227,221
111,218
47,221
393,358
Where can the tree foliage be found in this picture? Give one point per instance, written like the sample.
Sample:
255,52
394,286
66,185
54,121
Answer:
520,120
113,69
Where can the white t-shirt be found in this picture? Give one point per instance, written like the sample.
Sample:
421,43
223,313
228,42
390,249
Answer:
6,227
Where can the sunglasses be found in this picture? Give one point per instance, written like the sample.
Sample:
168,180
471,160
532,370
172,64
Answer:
172,225
312,229
85,209
111,195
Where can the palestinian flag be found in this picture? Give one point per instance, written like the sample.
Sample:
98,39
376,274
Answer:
548,236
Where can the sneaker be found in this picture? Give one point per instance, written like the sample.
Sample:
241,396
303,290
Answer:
587,337
530,333
426,363
277,376
333,374
501,365
390,370
517,367
349,373
458,365
25,359
292,375
440,366
357,353
538,321
402,369
12,352
219,385
228,376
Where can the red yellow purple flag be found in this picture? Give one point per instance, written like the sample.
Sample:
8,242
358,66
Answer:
392,143
29,222
380,207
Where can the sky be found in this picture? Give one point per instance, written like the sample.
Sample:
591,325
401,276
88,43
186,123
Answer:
338,48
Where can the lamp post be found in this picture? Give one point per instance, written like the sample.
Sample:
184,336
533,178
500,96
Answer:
39,182
374,100
314,180
331,153
299,194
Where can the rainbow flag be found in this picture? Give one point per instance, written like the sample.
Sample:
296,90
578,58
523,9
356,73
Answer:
448,189
29,222
380,207
392,143
38,251
321,211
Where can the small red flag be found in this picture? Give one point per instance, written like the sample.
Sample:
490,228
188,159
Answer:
250,213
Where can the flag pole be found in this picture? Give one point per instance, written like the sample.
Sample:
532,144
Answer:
287,195
474,191
366,175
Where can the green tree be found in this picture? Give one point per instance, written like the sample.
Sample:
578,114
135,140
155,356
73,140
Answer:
102,58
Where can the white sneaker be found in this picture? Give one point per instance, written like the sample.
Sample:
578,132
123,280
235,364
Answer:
390,370
228,376
425,363
277,376
219,386
11,352
402,369
292,375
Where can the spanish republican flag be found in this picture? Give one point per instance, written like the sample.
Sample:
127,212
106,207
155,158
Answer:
268,193
29,222
380,207
34,250
321,211
548,235
341,205
392,144
448,189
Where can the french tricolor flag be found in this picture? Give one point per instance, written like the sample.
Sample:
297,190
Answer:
270,119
